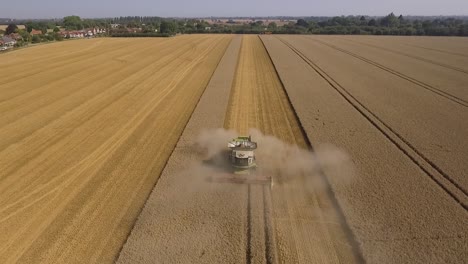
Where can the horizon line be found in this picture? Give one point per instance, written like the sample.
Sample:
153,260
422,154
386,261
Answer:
257,16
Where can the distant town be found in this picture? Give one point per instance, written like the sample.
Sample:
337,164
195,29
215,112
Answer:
22,32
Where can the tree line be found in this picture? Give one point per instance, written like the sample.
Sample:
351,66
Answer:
387,25
147,26
343,25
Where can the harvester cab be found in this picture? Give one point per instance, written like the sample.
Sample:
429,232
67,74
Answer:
243,164
242,155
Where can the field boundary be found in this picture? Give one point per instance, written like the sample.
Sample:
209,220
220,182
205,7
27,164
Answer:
443,180
344,224
426,86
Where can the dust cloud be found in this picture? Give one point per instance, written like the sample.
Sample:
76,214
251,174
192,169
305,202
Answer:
200,211
277,158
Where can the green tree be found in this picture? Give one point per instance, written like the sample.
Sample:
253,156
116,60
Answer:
30,26
36,39
362,21
201,25
302,23
10,29
401,19
272,26
372,23
73,22
56,29
148,29
258,23
58,37
25,35
168,27
463,30
390,21
133,24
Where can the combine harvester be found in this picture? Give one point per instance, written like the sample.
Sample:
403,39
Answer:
243,164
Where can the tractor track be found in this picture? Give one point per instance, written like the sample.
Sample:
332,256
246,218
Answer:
412,56
248,248
442,179
269,240
329,192
426,86
438,50
261,227
270,256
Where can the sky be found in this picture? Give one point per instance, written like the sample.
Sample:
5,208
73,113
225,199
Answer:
206,8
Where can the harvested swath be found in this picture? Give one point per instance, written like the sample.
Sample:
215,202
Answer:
307,227
186,218
83,143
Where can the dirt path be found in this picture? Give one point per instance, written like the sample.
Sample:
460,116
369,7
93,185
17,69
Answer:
397,212
79,153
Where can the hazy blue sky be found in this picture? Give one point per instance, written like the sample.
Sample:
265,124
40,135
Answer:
198,8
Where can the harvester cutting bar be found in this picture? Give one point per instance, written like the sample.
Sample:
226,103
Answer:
240,179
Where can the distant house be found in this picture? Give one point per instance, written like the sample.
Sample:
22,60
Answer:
134,30
74,34
89,32
63,33
35,32
8,41
16,36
